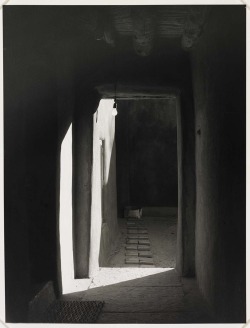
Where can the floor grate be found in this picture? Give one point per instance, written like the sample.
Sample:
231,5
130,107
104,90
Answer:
73,311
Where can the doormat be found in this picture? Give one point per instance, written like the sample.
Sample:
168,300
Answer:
73,311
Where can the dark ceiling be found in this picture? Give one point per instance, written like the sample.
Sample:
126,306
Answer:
145,23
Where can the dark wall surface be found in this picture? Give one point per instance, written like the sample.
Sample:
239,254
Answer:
146,139
36,85
219,69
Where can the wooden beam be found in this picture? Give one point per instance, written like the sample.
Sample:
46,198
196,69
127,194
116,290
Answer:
132,91
193,29
143,25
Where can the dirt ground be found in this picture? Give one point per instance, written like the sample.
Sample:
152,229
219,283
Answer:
141,294
162,236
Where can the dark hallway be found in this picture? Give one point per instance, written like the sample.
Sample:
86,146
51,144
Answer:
111,107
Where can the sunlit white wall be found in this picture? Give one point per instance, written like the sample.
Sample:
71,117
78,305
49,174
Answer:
69,284
104,128
65,223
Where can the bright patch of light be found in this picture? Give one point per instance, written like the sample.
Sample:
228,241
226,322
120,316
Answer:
111,276
103,133
65,216
69,284
114,112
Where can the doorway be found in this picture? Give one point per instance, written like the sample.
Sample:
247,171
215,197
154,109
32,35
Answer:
147,180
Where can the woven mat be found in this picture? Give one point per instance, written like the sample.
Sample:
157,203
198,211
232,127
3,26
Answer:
73,311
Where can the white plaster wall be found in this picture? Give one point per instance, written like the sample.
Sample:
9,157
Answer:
103,128
69,283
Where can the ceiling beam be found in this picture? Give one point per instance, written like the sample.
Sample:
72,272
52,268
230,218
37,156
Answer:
194,26
143,29
136,91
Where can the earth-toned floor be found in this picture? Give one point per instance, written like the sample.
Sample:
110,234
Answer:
154,293
162,237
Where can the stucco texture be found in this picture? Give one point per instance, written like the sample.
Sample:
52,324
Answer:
104,226
219,92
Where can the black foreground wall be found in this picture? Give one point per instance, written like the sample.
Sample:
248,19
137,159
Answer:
39,98
219,73
146,140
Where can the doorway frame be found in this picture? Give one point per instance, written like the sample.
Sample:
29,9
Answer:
185,253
